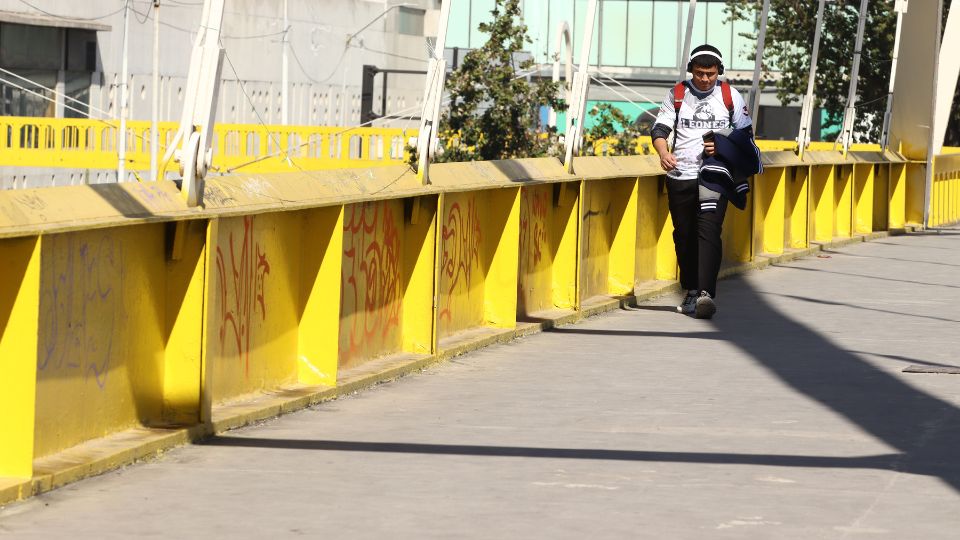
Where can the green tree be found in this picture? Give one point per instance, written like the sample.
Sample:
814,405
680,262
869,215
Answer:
790,32
494,111
611,124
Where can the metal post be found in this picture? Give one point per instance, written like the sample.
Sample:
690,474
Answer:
581,84
285,67
758,63
806,114
155,105
850,113
122,157
564,44
900,7
432,94
691,14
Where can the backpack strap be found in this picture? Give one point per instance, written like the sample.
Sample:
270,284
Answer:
679,91
727,98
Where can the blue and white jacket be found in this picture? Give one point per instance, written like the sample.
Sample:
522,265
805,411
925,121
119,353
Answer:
737,158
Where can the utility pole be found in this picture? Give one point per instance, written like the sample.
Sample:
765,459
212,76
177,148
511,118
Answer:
581,84
155,106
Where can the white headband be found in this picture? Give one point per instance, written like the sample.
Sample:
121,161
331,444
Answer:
708,53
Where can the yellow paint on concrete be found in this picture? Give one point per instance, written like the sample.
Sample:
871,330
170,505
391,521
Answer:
502,229
538,247
737,236
597,224
897,196
822,212
463,264
623,244
19,314
566,225
252,296
100,362
796,219
183,323
863,198
648,228
843,201
419,262
769,201
320,285
915,186
371,298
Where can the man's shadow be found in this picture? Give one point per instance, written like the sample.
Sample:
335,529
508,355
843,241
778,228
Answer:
923,428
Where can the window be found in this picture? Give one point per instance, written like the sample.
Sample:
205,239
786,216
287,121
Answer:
410,21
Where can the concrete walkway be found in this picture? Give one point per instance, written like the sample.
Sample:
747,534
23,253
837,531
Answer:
787,416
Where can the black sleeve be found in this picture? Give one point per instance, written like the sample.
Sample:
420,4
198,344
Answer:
660,131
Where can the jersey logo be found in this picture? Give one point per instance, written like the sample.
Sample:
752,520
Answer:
704,118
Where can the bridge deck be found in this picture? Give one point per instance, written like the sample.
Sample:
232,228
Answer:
789,416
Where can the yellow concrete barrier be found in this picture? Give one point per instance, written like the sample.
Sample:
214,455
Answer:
129,321
945,191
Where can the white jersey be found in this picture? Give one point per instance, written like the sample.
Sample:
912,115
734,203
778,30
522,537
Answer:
698,116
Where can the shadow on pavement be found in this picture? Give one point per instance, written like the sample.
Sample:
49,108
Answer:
924,428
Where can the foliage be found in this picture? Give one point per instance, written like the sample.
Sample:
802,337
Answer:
494,110
615,127
790,32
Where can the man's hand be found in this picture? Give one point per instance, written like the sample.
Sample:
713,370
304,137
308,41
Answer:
709,148
668,161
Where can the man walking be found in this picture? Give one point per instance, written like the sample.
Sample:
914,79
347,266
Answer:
690,115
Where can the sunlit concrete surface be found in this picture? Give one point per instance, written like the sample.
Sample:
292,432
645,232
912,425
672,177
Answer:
787,416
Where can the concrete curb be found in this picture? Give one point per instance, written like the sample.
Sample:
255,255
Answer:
118,450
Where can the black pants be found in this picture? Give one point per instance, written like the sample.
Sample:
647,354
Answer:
696,235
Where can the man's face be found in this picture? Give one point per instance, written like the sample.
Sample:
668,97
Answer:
705,78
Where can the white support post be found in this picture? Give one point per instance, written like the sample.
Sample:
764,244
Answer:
564,44
850,113
200,103
901,8
806,113
155,97
432,96
285,67
687,37
124,91
758,64
581,84
948,70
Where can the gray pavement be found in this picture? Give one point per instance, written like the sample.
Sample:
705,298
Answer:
787,416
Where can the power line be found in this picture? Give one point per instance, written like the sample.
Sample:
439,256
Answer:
55,16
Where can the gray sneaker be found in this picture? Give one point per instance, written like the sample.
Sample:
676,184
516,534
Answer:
689,304
705,306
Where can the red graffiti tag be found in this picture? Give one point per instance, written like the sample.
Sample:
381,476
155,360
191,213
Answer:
245,285
461,249
371,278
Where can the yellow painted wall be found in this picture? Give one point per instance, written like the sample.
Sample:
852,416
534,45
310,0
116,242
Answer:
102,334
597,237
462,266
796,216
843,199
19,314
648,228
253,292
863,185
539,240
371,294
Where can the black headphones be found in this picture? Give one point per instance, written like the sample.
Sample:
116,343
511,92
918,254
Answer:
706,50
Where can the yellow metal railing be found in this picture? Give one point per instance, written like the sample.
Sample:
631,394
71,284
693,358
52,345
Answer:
94,144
